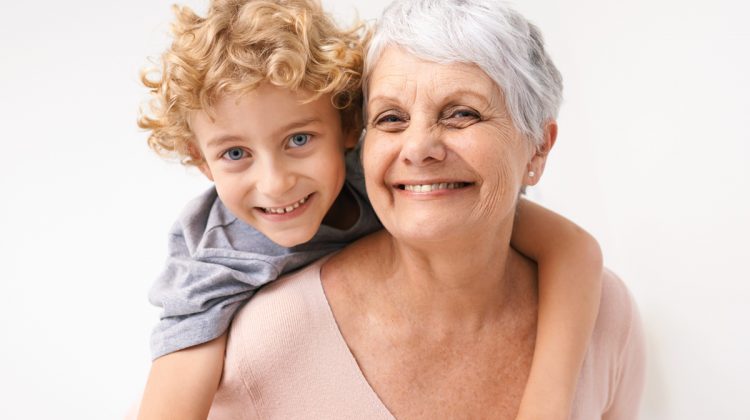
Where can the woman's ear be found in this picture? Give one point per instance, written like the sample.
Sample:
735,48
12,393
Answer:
351,137
536,165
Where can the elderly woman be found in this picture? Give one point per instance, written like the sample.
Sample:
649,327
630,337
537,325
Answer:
434,317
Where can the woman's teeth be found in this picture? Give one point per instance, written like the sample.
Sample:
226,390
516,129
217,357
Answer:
287,209
434,187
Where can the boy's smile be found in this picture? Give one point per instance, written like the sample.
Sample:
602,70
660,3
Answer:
288,209
277,162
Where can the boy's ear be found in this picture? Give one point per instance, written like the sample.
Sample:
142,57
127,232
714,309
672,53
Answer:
535,167
203,167
197,156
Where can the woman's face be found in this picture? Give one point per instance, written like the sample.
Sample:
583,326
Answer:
441,155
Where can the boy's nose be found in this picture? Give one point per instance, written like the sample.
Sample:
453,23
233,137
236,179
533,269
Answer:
274,180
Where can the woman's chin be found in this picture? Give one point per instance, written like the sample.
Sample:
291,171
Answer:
432,231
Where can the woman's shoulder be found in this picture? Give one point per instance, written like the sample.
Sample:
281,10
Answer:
618,318
285,357
267,342
612,376
282,313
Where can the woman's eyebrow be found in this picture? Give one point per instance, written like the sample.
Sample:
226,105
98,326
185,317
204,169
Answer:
470,93
381,98
447,97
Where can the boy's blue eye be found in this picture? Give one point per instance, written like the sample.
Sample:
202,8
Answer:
299,140
234,153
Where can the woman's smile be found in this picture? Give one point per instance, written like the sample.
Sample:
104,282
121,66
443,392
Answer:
440,136
429,190
426,187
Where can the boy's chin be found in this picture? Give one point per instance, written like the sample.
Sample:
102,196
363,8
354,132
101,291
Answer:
288,239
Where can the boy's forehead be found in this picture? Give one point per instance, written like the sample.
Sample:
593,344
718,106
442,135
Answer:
267,98
265,110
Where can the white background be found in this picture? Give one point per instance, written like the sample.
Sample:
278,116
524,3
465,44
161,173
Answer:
652,158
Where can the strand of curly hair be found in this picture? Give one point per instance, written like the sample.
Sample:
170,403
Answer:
240,44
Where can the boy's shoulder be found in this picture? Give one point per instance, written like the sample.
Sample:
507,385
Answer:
205,224
207,231
196,211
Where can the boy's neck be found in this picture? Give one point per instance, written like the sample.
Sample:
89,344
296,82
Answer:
344,212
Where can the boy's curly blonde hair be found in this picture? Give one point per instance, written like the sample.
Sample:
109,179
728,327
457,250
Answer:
236,47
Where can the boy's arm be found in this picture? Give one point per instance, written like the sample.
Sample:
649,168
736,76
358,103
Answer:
198,299
570,268
181,385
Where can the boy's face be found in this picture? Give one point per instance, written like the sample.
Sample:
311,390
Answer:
277,163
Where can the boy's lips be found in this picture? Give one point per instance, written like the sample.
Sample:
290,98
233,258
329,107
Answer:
288,209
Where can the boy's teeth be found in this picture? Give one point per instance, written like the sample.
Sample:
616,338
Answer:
433,187
287,209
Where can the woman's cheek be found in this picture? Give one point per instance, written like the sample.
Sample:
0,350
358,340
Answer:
374,158
494,192
500,184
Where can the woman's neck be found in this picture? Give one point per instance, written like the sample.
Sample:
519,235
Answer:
409,315
448,285
449,282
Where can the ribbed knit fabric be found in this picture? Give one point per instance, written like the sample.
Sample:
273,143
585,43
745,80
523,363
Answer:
286,359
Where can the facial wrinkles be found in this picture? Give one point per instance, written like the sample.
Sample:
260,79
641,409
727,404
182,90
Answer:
394,88
496,192
503,189
424,104
422,93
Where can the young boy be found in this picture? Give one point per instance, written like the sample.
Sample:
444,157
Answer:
264,98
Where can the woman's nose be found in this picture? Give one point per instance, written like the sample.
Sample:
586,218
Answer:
422,146
273,178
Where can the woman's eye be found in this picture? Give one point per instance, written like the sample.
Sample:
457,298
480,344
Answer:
464,113
389,119
235,153
299,140
460,118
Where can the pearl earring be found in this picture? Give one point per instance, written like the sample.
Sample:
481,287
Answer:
531,174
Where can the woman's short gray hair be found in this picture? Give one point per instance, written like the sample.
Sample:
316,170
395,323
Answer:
487,33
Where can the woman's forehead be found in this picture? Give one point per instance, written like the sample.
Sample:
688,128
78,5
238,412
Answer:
399,72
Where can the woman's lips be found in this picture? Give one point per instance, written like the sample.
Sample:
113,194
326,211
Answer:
430,186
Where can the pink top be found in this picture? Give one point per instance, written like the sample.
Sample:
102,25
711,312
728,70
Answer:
286,359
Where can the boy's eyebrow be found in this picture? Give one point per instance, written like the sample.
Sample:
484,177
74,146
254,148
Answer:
300,123
218,141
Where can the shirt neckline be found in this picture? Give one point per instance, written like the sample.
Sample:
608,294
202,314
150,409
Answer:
340,341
